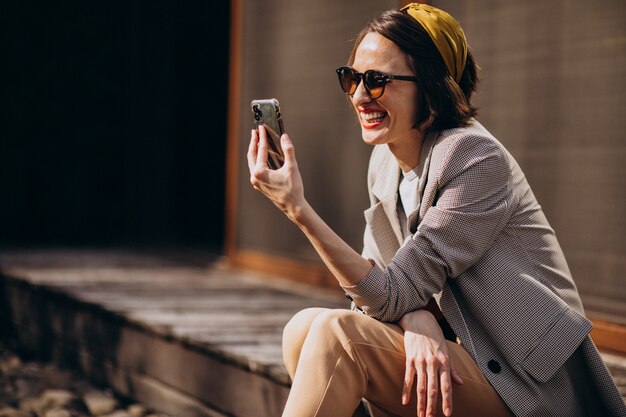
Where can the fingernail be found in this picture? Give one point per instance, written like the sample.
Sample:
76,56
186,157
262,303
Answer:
447,412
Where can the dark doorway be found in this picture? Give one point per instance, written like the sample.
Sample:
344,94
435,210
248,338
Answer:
114,123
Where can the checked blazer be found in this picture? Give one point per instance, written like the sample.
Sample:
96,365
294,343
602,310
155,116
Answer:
482,247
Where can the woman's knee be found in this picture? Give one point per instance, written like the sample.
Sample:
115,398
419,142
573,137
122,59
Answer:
295,333
335,326
329,326
298,326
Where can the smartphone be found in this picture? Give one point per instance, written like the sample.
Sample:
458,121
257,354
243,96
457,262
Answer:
267,113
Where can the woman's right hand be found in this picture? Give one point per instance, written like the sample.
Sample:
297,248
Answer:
428,359
282,186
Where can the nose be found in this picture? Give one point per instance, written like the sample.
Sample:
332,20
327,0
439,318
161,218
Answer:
360,96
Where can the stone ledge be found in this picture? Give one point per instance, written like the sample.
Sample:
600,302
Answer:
189,339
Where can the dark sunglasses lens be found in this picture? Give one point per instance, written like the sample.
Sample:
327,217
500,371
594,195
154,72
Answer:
375,83
348,79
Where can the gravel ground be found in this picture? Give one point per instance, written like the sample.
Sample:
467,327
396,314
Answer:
33,389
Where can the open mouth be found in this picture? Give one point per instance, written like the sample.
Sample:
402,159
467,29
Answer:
372,119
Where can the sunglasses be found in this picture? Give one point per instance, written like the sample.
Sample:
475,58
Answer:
374,81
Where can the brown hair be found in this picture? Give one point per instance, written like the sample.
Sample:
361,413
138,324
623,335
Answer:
439,96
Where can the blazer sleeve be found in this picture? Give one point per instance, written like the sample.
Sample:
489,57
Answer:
473,188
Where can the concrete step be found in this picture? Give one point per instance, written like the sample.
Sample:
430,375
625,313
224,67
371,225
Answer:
183,334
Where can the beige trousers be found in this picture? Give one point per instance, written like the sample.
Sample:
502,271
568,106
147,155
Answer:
337,357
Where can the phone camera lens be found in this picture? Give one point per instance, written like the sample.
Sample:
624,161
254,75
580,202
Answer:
258,114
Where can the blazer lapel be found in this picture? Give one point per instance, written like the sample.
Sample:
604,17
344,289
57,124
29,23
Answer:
422,172
382,217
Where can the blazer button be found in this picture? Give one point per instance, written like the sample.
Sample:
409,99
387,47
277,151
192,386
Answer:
494,366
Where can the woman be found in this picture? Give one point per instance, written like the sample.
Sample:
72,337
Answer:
456,249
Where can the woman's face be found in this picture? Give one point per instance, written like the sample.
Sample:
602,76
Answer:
388,119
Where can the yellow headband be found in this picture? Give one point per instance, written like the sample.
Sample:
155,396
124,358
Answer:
445,32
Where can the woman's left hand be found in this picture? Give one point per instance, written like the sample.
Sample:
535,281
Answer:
428,359
282,186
